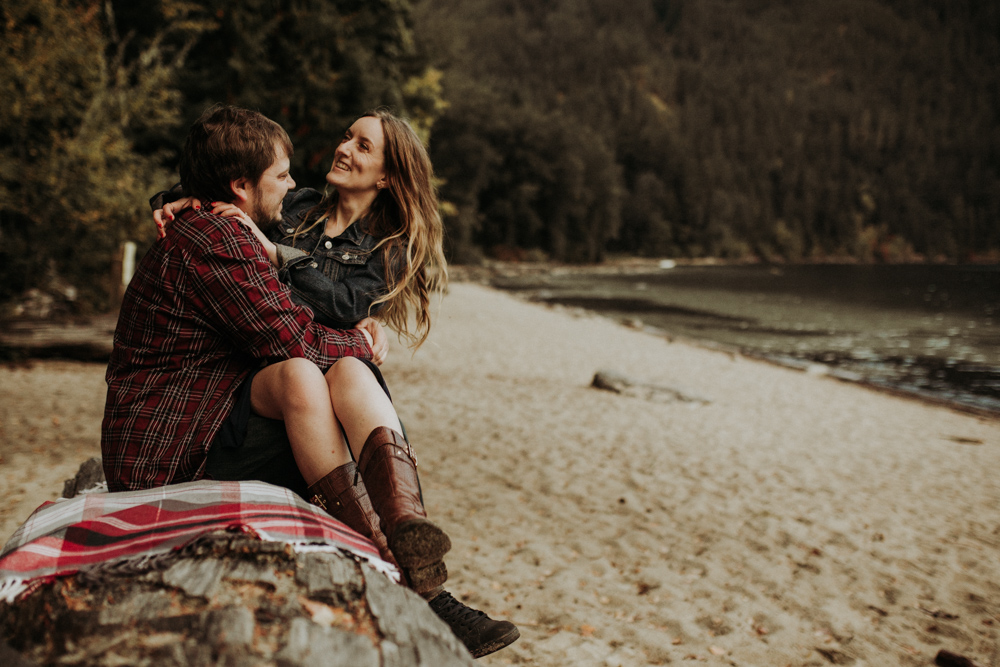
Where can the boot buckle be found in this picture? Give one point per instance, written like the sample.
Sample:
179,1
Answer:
319,501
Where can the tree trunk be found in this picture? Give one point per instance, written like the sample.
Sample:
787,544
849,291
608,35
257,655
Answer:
225,599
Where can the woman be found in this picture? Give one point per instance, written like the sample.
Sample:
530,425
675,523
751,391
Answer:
373,246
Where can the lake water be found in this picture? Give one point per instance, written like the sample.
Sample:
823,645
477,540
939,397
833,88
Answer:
932,330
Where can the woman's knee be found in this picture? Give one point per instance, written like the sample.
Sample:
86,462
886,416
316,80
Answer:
301,384
348,370
299,370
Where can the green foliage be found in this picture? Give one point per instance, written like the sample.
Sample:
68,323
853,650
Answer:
846,116
310,65
69,176
781,130
560,128
538,95
538,179
98,96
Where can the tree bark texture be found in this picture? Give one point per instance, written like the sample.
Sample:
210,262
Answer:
225,599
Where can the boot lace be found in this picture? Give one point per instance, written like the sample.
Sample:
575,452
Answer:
454,613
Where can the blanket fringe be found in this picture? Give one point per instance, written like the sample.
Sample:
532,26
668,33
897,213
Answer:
11,589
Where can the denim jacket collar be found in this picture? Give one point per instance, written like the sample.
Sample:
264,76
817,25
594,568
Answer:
298,204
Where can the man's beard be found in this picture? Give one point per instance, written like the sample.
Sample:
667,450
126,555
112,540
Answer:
265,220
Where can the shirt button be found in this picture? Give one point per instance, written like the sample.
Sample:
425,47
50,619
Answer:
346,256
328,244
289,230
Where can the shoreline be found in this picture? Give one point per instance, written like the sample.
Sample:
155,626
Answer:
491,268
517,280
787,520
823,370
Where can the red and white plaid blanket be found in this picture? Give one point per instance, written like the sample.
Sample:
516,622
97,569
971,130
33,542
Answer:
63,537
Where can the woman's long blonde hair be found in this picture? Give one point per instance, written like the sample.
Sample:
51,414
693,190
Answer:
407,223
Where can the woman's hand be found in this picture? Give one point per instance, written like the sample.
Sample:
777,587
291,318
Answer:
233,211
164,216
377,340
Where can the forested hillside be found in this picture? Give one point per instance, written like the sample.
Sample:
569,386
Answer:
777,129
98,96
569,129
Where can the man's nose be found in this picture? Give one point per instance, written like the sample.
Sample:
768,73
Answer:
291,182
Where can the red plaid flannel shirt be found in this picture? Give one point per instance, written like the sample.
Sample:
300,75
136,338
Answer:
204,308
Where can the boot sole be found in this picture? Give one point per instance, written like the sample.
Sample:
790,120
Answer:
418,543
496,644
424,579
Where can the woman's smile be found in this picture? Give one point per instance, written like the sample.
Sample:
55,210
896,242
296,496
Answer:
358,164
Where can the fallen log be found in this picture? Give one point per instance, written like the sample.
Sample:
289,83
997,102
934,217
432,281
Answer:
89,340
225,598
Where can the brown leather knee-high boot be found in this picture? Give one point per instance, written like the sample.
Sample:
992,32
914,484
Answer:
339,496
390,473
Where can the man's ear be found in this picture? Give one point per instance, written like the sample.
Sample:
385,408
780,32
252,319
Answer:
241,190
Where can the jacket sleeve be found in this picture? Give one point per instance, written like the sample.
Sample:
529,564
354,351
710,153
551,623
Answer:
336,304
160,199
239,294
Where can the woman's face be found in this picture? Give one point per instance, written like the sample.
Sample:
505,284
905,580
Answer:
358,163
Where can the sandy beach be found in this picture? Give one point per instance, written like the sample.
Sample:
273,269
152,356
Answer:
785,519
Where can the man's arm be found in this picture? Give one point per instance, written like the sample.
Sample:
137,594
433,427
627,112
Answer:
337,304
162,197
239,293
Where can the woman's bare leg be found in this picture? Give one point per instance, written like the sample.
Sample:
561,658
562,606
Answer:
359,402
296,392
361,405
389,470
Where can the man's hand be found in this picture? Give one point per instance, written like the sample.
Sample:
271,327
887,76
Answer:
377,340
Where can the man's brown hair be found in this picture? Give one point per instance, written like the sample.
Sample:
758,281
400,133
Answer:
226,144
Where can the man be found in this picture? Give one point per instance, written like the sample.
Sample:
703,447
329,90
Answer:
204,308
202,312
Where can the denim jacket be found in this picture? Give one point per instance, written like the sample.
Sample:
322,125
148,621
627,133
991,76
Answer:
338,278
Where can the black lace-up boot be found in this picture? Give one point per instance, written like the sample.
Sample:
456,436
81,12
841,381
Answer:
480,633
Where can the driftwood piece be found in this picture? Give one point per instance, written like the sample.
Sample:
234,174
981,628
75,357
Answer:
619,383
225,599
90,340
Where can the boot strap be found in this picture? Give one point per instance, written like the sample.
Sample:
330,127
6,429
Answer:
381,437
323,493
409,452
320,501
